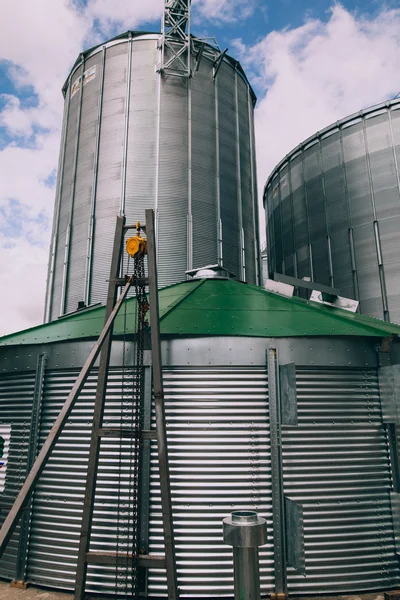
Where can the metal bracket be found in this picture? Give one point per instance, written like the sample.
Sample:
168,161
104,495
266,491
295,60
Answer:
395,502
389,387
295,554
218,63
199,56
287,380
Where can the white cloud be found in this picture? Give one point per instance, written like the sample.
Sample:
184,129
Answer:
228,11
39,42
318,73
123,14
23,284
312,75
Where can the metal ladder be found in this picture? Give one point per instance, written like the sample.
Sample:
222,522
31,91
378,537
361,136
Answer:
85,556
103,346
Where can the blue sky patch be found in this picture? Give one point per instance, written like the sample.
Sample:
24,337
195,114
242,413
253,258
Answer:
9,85
16,219
51,179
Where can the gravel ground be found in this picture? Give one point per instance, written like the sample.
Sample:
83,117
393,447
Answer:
9,593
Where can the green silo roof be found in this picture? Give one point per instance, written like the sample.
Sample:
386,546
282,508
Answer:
217,307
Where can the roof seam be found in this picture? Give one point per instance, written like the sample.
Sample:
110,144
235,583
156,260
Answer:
180,300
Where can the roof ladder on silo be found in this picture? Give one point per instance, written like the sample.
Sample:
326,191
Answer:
99,431
175,39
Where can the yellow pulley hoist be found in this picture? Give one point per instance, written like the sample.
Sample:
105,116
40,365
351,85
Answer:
136,245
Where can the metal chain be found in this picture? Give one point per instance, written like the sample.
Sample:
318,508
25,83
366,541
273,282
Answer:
122,532
138,371
131,417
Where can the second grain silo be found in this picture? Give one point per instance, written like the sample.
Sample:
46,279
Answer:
333,210
138,136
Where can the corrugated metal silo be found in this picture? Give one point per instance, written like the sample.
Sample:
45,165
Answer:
135,139
333,210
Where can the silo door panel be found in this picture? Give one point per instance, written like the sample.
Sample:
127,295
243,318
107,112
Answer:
336,467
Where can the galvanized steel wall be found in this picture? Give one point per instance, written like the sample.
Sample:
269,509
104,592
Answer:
16,405
58,498
133,139
333,210
335,465
218,436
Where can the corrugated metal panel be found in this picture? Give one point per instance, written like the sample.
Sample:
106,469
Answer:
231,242
65,201
355,184
108,197
336,465
248,207
84,180
218,435
141,173
16,398
142,140
204,194
172,206
58,499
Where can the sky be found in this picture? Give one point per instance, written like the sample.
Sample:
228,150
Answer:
311,62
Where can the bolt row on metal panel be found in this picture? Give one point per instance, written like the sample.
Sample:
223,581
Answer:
333,210
134,139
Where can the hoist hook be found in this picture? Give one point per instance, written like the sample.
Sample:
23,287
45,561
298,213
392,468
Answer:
136,245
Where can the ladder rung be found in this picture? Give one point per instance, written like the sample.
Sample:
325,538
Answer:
126,432
111,558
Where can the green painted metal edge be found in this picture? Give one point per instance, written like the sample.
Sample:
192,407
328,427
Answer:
215,307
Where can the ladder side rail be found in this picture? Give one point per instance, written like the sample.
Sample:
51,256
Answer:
101,389
165,485
23,497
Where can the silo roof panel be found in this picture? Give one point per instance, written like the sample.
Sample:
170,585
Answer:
216,307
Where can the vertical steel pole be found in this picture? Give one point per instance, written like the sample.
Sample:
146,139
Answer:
239,181
145,473
56,219
218,177
254,195
91,228
165,486
278,510
67,248
101,389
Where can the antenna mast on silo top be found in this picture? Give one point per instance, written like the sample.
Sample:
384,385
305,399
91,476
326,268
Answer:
175,39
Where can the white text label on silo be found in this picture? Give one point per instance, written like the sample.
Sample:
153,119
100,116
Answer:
88,75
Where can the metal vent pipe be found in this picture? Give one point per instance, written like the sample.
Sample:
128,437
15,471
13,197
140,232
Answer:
245,531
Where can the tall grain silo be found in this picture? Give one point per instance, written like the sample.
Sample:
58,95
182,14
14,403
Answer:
136,137
333,210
